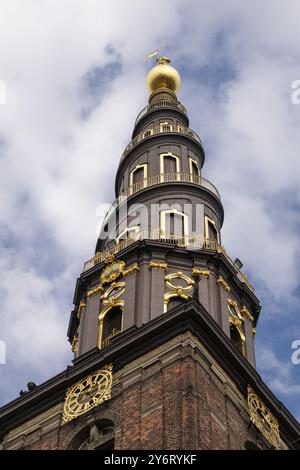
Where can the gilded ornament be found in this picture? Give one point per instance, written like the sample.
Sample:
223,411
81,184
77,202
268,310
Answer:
111,272
158,265
163,76
95,290
234,310
179,275
221,281
131,269
200,272
115,290
81,307
246,312
74,346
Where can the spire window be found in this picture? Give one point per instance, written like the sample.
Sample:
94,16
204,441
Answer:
174,225
194,171
110,323
169,165
210,230
138,178
165,127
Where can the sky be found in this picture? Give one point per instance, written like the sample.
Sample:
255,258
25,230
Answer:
74,75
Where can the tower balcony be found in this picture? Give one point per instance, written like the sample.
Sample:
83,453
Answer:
158,105
177,177
195,242
162,178
163,129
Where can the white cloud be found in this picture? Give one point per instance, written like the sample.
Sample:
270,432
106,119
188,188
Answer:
278,373
32,324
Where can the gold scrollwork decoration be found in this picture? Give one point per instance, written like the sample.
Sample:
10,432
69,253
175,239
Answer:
81,307
178,290
158,265
74,345
131,269
111,272
237,320
88,393
179,275
246,312
263,419
221,281
234,312
95,290
109,259
115,290
200,272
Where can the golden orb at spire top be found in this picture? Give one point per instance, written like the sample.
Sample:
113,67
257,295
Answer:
163,76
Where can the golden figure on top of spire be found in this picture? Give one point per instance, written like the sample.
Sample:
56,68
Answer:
162,75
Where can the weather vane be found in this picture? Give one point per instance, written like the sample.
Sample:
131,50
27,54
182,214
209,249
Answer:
160,60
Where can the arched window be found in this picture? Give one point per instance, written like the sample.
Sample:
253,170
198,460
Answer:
194,170
97,436
169,167
128,232
174,225
236,339
180,127
137,179
210,230
172,299
147,133
165,127
110,323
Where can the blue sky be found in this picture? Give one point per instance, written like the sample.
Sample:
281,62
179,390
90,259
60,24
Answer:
75,81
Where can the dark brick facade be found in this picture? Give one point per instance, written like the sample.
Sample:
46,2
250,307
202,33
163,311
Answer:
174,397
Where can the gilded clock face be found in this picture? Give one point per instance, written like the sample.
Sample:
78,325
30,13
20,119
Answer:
263,419
88,393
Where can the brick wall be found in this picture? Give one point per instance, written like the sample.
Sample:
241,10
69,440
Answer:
175,397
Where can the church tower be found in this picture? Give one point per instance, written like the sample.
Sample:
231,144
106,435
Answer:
164,321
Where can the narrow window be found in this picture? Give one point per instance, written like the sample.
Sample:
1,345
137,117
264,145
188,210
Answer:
169,167
211,233
194,171
112,325
174,225
170,164
138,175
165,127
147,133
236,339
138,178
